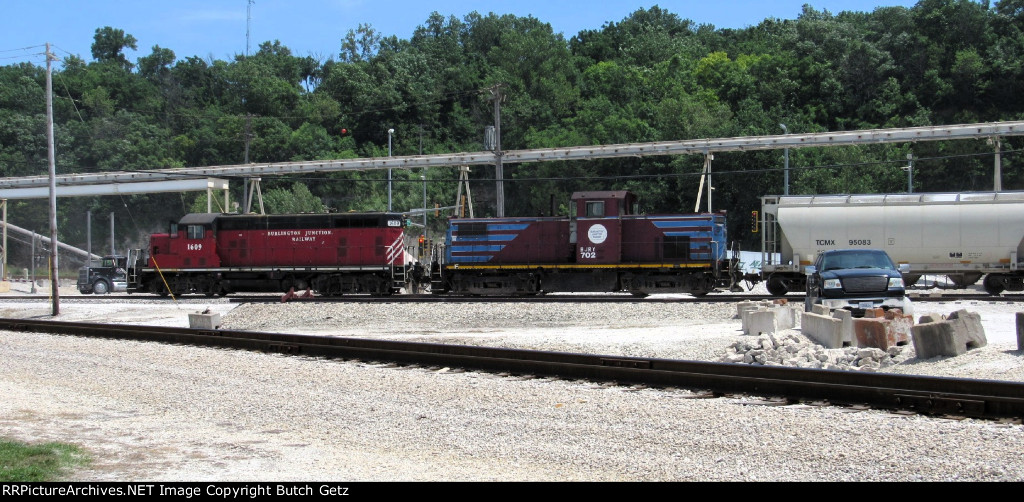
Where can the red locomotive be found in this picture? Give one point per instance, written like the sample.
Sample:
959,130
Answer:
605,246
217,254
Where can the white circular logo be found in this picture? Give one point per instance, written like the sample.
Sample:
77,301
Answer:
597,233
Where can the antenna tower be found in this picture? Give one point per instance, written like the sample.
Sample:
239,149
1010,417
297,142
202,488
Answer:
248,24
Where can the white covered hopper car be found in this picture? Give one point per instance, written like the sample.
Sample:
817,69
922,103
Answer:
961,235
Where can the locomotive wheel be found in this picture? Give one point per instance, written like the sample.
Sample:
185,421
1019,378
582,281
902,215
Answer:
993,285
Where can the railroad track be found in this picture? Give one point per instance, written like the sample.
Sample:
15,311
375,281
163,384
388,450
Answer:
553,298
927,395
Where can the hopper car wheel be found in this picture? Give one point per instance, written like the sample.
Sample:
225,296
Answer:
777,287
993,285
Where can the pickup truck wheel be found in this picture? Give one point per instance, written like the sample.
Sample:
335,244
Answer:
100,287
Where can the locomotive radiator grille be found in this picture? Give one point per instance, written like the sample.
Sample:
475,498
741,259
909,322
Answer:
866,284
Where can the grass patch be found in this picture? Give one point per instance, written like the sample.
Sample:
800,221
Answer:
43,462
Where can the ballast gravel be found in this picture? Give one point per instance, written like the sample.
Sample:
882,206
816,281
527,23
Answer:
160,412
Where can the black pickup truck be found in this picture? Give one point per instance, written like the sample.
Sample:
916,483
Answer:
857,279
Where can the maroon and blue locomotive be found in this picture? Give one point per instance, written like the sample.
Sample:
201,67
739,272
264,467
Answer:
604,246
330,254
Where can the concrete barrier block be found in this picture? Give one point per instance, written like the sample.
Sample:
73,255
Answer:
820,309
744,306
936,339
930,317
874,312
204,321
969,329
1020,330
846,317
785,317
881,333
822,329
760,321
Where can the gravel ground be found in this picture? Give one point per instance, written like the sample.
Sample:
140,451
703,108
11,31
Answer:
158,412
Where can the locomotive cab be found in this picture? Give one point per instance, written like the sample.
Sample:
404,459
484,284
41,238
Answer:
189,243
598,225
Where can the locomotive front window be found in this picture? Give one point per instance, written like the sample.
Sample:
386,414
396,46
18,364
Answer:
196,232
595,209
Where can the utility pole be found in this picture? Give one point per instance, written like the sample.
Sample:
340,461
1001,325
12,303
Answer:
499,172
246,198
390,132
6,274
52,161
88,236
997,172
785,189
910,173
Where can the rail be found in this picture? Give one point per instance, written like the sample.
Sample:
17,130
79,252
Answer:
927,395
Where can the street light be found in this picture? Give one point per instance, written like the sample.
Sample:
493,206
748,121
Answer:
390,132
785,190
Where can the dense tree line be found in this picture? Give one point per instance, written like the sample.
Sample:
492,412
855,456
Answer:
649,77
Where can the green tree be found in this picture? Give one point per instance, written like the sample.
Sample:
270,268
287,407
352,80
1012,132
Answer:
109,44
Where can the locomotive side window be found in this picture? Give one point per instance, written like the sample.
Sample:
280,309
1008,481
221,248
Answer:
196,232
595,208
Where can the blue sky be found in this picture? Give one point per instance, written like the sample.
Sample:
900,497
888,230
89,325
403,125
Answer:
217,28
